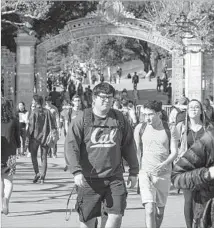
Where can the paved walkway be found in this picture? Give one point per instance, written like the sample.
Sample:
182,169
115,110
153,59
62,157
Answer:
44,206
146,88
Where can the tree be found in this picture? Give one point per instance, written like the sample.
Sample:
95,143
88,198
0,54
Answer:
174,19
21,15
39,17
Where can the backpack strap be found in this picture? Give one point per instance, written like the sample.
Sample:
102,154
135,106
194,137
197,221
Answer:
176,108
120,119
87,120
166,128
142,129
69,115
168,132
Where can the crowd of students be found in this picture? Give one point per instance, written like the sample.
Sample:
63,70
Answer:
159,150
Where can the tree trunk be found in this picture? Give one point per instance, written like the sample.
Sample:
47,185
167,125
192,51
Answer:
155,66
147,65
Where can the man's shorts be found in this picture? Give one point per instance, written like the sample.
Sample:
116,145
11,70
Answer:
107,194
154,189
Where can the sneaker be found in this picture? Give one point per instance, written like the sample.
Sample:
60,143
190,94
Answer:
36,178
54,156
66,168
28,155
42,179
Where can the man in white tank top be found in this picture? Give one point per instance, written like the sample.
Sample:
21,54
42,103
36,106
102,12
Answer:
154,140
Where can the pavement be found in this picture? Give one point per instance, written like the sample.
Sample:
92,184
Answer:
44,206
147,89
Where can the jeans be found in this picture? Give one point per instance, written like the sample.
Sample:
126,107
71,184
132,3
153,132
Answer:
52,151
23,137
33,148
188,207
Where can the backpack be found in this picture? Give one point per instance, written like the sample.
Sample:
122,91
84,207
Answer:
142,129
181,115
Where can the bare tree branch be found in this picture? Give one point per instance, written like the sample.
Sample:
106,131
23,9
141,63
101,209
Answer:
21,15
15,24
163,4
149,12
202,20
8,12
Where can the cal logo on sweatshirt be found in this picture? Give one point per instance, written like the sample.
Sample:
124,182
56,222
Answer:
101,139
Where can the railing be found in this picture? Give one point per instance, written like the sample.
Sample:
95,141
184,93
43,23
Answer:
167,108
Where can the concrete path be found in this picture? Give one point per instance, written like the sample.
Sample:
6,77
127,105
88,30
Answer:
44,206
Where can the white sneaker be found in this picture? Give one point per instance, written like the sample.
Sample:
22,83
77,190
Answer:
28,155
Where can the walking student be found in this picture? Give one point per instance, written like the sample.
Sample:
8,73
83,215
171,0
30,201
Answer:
73,113
23,120
96,142
190,130
10,141
55,117
40,125
159,146
64,117
135,80
195,171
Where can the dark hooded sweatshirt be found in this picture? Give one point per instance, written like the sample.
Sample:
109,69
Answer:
97,152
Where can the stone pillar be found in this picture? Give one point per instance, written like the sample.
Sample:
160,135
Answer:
193,69
177,75
208,75
25,67
41,70
8,73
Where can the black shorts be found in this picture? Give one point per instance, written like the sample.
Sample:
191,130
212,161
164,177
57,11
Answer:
107,194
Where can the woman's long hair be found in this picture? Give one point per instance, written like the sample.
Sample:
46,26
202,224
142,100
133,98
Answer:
6,111
17,108
203,117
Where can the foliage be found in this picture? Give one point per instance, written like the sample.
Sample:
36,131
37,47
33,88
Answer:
174,19
39,17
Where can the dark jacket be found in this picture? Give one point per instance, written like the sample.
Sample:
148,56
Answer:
10,139
191,172
40,124
97,152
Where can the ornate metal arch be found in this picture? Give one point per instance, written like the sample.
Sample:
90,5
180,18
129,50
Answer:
96,26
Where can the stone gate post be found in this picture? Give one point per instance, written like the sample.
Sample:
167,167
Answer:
177,74
25,68
208,75
41,68
193,68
